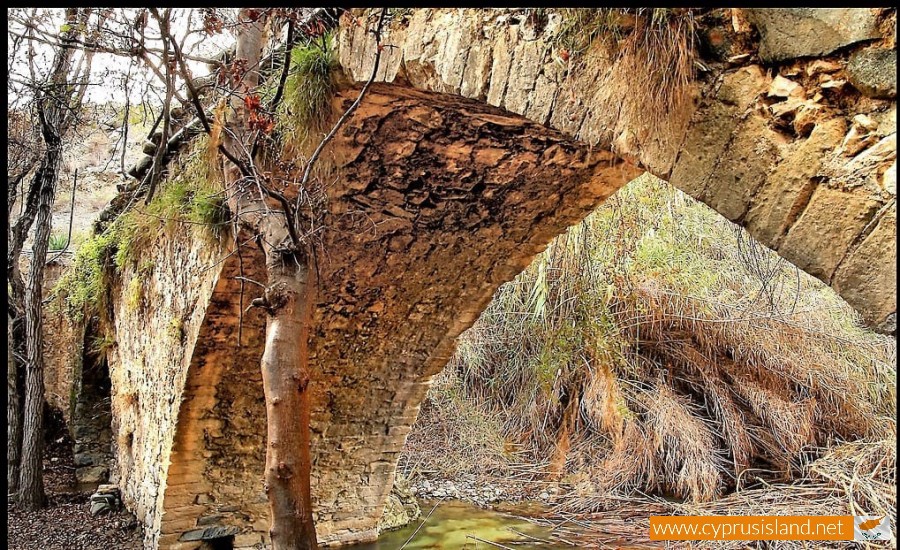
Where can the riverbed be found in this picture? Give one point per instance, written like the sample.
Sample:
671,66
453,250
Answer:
451,525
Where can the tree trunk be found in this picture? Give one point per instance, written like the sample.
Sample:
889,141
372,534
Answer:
13,426
288,301
31,481
56,112
286,377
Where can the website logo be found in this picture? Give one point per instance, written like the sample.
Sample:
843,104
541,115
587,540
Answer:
871,528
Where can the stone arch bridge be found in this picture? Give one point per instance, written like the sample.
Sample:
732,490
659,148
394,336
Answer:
480,145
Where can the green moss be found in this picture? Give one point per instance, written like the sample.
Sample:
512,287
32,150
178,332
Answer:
84,284
176,330
190,198
134,294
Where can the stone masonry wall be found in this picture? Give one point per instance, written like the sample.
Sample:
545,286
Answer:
791,131
155,339
63,349
397,285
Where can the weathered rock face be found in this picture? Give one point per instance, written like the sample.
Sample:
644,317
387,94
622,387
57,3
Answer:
63,344
874,72
76,382
789,33
436,201
400,509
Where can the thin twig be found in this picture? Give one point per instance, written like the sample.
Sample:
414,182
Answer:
489,543
421,524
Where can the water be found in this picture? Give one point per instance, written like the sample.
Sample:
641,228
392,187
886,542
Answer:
453,524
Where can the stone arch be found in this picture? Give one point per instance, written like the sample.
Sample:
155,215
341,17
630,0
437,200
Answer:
441,199
787,138
458,197
213,485
486,191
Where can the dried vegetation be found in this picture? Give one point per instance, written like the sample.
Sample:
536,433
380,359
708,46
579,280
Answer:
655,349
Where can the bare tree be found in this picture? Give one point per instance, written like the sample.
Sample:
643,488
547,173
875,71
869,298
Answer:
23,149
57,97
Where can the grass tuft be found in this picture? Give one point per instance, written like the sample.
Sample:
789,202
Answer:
308,91
58,241
653,51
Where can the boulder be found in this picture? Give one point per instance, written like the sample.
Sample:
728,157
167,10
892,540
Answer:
400,509
873,72
789,33
105,500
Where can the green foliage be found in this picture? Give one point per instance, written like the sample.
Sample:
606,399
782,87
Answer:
100,345
85,283
58,241
188,198
308,90
191,196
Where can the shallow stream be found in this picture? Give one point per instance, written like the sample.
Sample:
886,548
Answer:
460,525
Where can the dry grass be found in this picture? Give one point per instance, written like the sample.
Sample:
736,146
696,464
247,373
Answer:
651,49
652,350
464,435
856,478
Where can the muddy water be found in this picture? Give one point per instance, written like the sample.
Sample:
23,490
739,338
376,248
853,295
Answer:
459,525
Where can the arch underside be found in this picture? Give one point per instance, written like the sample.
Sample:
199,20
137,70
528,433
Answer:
457,197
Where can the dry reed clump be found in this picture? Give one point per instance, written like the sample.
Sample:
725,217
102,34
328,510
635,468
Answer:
649,350
858,478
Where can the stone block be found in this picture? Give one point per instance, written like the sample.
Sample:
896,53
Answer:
873,72
868,275
209,533
789,33
820,239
